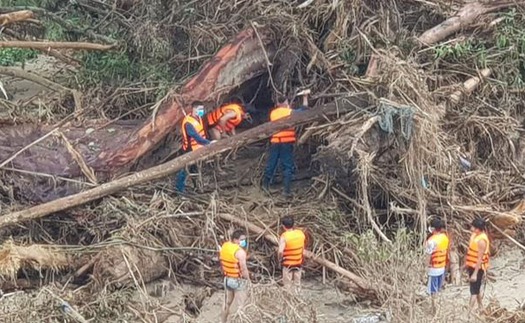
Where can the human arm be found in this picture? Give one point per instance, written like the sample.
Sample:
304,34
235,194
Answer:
190,130
241,256
280,251
482,246
429,249
227,116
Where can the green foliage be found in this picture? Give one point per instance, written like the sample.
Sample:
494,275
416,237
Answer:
463,50
369,249
11,56
115,68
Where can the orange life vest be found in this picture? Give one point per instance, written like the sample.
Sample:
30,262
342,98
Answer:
187,141
230,264
214,117
438,259
472,254
293,250
284,136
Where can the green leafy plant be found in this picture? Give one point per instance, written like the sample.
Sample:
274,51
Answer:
11,56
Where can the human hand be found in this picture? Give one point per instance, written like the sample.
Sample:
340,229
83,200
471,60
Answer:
474,277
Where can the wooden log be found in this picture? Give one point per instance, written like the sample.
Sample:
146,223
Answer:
470,85
54,45
161,171
358,281
20,73
465,16
238,61
12,17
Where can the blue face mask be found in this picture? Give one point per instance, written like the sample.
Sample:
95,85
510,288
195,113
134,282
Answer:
243,243
200,113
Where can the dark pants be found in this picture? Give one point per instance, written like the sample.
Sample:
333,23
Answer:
475,287
284,154
180,181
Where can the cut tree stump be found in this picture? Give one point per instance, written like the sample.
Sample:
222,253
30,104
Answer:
161,171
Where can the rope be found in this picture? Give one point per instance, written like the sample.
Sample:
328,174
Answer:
405,115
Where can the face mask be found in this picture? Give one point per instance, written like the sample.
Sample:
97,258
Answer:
243,243
200,113
430,229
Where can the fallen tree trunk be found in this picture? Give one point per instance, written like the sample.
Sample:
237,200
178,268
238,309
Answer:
20,73
465,16
55,45
358,281
11,17
255,134
235,63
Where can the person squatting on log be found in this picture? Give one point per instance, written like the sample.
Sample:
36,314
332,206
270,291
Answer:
437,250
223,121
477,261
291,253
236,276
193,138
282,144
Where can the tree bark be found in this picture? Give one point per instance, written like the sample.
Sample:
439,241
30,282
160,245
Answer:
12,17
358,281
235,63
53,44
465,16
166,169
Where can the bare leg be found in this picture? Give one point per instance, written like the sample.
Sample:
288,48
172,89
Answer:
480,304
229,296
240,298
287,278
296,277
472,302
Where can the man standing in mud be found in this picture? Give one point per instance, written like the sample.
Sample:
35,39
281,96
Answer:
236,276
282,144
437,250
477,261
291,253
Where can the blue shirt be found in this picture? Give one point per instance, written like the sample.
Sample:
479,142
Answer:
192,133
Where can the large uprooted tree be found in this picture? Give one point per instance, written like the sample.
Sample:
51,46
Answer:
417,110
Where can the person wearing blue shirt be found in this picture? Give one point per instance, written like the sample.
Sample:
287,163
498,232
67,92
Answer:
193,138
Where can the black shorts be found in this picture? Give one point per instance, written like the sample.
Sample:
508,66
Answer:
475,287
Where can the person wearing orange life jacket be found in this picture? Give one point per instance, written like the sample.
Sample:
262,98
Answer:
477,261
282,144
236,276
291,253
193,138
223,121
437,250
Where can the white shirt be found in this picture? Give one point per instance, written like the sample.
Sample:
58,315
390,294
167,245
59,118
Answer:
429,249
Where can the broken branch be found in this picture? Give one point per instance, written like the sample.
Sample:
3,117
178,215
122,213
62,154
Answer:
12,17
20,73
53,44
465,16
